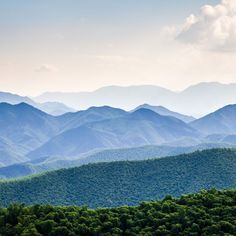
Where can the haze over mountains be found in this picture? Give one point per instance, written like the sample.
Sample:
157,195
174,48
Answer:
29,135
33,140
196,100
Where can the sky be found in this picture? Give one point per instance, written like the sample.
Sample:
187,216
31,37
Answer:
82,45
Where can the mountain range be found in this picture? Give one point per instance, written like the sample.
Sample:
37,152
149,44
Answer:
125,183
197,100
29,134
142,127
37,134
27,128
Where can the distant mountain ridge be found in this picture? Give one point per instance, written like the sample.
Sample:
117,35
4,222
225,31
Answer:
114,96
166,112
197,100
53,108
14,98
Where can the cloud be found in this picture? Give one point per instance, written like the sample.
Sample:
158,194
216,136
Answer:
45,68
214,28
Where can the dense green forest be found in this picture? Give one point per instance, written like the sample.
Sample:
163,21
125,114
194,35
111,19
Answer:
206,213
126,182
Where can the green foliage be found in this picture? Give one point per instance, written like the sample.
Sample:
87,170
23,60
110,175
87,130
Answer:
126,183
206,213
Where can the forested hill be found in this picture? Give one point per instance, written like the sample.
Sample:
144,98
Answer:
206,213
120,183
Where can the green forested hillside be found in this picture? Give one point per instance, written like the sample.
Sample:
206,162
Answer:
119,183
123,154
206,213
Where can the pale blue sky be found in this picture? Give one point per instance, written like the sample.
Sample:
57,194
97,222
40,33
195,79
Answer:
61,16
75,45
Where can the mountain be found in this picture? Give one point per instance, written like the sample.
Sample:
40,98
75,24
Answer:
125,154
22,118
197,100
126,183
230,139
142,127
54,108
221,122
14,98
26,126
115,96
221,139
92,114
11,153
165,112
206,97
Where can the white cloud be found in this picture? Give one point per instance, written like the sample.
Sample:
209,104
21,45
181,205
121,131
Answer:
214,28
45,68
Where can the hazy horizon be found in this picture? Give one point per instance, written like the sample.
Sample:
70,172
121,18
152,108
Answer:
114,85
82,46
